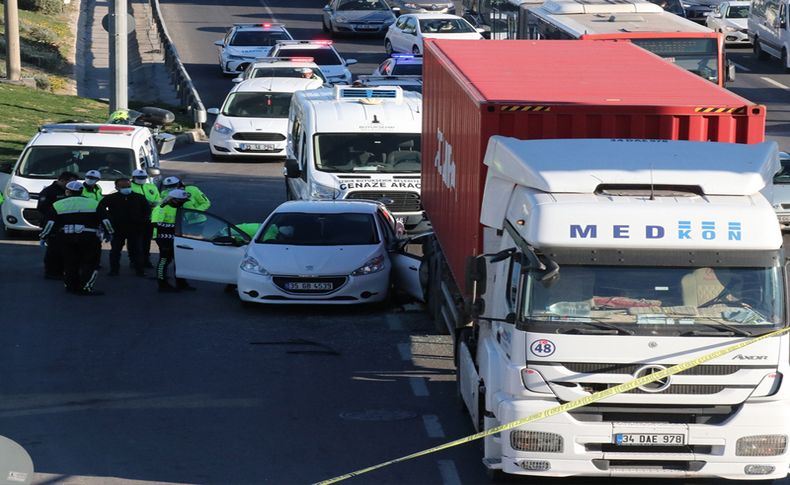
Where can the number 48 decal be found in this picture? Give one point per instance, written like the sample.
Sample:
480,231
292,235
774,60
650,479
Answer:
542,348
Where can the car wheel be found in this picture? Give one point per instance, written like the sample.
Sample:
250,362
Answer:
415,50
758,50
215,157
785,66
388,47
323,25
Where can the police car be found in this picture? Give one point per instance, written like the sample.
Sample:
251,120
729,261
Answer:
281,67
253,121
407,83
243,43
400,65
115,151
323,53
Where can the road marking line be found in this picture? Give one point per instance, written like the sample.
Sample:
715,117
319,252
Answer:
418,387
268,10
449,472
405,351
742,68
775,83
432,426
393,322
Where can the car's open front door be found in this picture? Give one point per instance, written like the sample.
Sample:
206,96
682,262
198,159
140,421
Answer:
207,247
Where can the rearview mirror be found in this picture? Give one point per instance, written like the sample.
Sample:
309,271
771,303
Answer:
6,166
213,111
292,170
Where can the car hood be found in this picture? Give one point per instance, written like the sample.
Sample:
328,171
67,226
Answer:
780,193
366,15
465,36
312,260
34,186
736,23
251,51
268,125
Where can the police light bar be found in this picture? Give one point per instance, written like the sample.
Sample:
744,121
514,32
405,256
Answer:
85,128
304,42
406,56
301,59
264,25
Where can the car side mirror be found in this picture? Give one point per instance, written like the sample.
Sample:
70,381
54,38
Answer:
395,9
730,71
213,111
292,170
219,43
154,172
327,8
237,79
350,62
6,166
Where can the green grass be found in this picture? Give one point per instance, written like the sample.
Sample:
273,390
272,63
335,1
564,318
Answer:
25,109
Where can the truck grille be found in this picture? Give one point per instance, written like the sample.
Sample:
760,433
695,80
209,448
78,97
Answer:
336,281
258,136
395,201
630,369
631,413
686,389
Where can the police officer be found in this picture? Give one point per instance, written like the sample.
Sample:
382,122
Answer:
76,221
91,187
164,219
53,262
141,185
197,199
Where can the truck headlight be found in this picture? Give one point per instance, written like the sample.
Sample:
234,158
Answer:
222,129
323,192
536,441
251,265
17,192
373,265
761,445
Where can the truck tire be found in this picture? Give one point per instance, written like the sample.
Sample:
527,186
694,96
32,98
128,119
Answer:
758,50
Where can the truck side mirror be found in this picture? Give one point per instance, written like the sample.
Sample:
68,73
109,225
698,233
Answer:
476,273
730,71
292,170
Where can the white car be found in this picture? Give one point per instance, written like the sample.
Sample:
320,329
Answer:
406,83
730,18
332,64
253,121
407,33
306,252
243,43
280,67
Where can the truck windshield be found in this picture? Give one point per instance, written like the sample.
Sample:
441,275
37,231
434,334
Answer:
258,105
368,152
659,300
698,55
47,162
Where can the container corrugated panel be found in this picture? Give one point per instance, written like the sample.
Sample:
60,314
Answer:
551,89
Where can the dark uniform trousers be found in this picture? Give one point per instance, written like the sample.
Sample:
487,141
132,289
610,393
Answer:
81,254
134,241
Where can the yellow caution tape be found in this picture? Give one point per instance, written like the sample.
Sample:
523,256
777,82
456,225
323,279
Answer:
584,401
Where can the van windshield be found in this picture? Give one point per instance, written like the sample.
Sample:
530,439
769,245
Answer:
47,162
368,152
257,105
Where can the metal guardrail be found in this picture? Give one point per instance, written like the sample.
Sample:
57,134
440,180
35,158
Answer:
178,74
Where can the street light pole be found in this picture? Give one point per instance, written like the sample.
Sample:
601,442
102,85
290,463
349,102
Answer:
119,59
13,63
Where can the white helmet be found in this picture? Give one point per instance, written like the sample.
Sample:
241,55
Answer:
94,174
178,194
74,186
171,181
139,174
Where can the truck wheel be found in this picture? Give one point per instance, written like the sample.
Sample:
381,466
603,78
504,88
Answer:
758,50
415,50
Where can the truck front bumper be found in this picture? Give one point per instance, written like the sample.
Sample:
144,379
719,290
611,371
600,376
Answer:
589,449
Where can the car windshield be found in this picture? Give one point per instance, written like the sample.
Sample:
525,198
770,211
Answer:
257,105
739,12
362,5
698,55
445,26
783,177
47,162
254,38
368,152
402,69
668,300
323,56
297,72
308,229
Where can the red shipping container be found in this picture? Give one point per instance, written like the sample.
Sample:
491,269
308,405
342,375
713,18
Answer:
543,89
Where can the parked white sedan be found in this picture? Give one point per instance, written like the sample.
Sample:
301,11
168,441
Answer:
730,18
406,34
308,252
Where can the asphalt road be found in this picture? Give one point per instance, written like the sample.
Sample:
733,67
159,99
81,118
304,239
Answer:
195,388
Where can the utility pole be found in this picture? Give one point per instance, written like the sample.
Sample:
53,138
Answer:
119,55
13,63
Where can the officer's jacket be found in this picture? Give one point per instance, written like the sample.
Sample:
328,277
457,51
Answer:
148,190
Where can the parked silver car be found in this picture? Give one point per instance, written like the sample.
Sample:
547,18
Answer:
357,17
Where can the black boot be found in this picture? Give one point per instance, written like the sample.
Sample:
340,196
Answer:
165,287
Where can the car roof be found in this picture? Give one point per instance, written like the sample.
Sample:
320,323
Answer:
262,26
328,206
420,16
73,134
304,44
261,64
277,84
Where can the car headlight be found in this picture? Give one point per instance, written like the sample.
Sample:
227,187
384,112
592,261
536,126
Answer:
373,265
17,192
727,28
251,265
341,20
222,129
323,192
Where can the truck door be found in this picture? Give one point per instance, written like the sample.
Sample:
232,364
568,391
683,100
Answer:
207,247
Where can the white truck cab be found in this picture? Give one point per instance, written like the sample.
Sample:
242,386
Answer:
113,150
357,142
609,260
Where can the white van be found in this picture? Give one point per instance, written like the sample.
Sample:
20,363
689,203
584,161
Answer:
768,29
113,150
357,142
